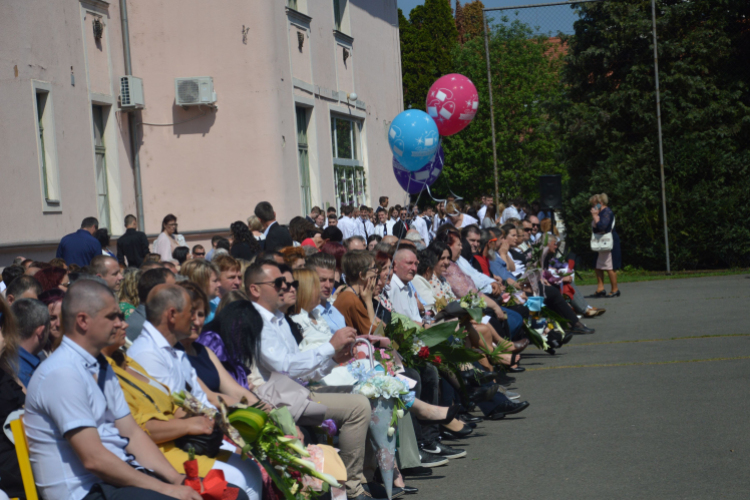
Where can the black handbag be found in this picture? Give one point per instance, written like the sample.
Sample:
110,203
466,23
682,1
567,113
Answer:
204,444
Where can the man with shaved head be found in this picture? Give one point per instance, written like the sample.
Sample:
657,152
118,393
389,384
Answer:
169,317
84,443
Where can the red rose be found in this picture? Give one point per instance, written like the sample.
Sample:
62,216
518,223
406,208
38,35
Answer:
437,360
424,352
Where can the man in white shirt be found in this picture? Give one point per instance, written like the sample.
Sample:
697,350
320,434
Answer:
420,225
382,228
169,314
364,225
392,219
511,212
280,353
83,440
402,294
536,234
346,223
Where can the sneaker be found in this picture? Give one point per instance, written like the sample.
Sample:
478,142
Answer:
430,460
512,395
443,451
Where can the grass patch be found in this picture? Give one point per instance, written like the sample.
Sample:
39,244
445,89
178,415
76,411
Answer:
631,275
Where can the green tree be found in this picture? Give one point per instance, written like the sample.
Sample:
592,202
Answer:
525,81
472,22
427,42
608,122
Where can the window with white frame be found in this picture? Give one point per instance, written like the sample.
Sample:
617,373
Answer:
45,132
99,114
350,182
340,16
303,154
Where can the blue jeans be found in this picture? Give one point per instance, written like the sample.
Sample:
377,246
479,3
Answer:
515,322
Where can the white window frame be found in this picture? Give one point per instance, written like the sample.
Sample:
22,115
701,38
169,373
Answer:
49,174
344,24
349,174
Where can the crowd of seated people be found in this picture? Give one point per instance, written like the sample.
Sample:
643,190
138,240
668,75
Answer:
93,343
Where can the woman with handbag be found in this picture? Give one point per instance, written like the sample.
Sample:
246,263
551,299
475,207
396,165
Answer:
606,242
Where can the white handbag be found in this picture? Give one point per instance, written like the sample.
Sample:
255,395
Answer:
603,242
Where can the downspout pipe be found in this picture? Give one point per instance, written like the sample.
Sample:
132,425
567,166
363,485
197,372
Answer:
132,119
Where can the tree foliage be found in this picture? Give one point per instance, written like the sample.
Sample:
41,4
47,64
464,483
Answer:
609,129
525,82
427,42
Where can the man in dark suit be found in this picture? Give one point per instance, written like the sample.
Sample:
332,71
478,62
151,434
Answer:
80,247
277,237
133,245
313,214
403,225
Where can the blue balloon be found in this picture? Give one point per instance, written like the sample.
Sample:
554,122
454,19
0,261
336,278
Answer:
414,139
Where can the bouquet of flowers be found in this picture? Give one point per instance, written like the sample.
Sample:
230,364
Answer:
474,304
270,441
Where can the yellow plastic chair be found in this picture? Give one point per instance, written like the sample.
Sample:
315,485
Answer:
22,451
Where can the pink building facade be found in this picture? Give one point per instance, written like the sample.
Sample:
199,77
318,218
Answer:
304,93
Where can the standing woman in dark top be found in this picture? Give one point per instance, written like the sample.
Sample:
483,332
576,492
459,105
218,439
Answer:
604,222
244,244
213,377
12,398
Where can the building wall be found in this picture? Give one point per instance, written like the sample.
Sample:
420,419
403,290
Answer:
207,166
50,46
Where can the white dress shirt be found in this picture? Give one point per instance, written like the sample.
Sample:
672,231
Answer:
381,230
481,281
437,221
166,364
420,225
404,299
348,226
467,220
510,213
364,227
63,395
280,352
480,214
313,334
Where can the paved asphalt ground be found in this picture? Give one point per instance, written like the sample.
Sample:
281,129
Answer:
640,409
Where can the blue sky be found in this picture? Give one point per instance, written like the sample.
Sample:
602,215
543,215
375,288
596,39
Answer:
546,19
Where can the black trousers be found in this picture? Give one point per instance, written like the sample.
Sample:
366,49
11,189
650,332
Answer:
427,390
555,301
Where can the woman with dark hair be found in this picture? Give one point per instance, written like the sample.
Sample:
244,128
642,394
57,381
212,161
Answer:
181,254
53,277
299,228
12,398
234,337
102,235
244,244
489,217
166,243
354,301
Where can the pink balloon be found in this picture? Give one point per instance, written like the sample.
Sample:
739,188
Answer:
452,102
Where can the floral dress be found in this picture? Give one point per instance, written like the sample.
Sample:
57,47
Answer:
460,283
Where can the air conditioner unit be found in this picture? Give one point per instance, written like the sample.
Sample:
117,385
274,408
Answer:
194,91
131,93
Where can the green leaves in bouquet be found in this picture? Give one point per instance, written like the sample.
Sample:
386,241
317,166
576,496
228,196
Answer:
552,315
441,332
475,313
493,356
455,354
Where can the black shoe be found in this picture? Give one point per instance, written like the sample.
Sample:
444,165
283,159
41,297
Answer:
580,329
366,496
431,460
517,369
468,418
616,294
452,412
465,432
511,407
505,380
376,490
477,378
416,472
567,339
439,449
410,490
596,295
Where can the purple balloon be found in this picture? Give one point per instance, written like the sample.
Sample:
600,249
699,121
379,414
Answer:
414,182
